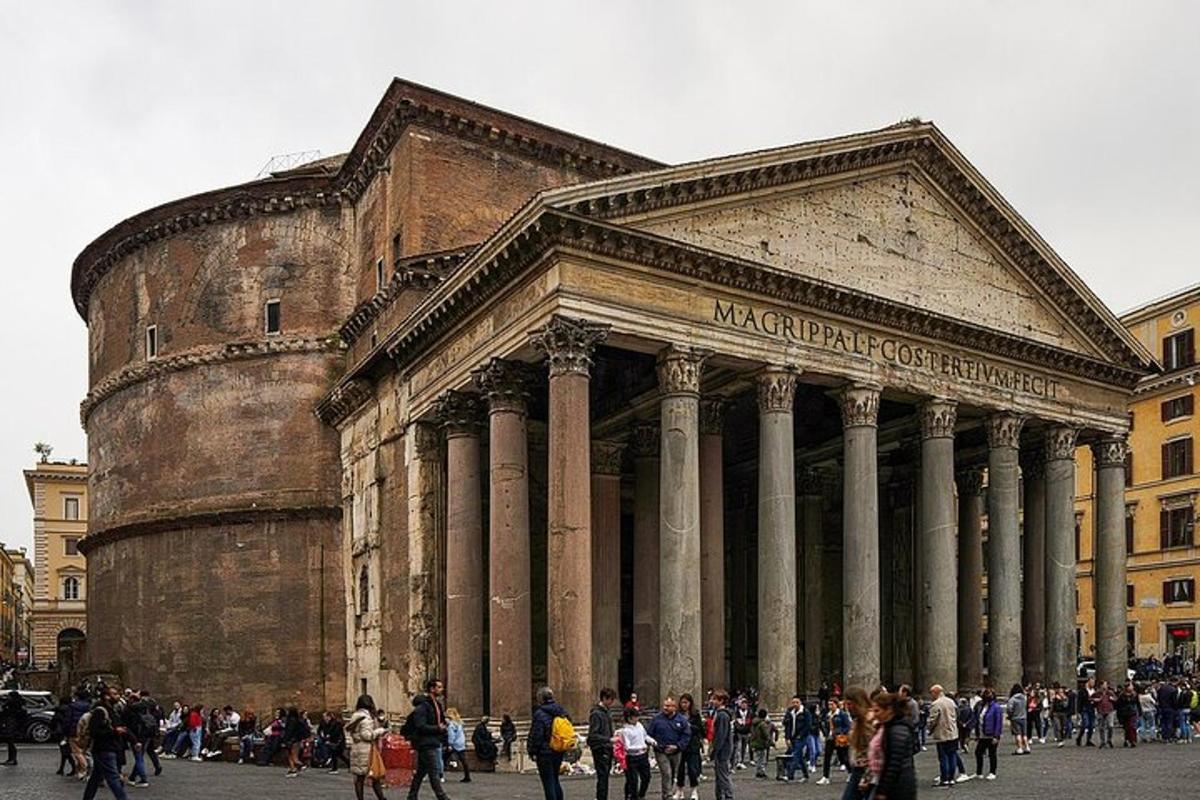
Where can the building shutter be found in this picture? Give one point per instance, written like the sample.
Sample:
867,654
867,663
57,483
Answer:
1166,410
1189,405
1166,461
1164,528
1189,348
1187,457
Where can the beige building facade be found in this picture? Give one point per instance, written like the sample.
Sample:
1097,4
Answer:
59,496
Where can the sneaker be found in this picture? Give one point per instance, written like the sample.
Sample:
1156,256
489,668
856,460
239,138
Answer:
841,767
802,780
823,782
241,761
964,777
1061,744
291,773
991,776
740,766
333,771
1042,740
196,758
695,795
781,779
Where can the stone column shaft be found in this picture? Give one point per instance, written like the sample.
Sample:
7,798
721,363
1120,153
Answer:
811,579
860,549
1059,647
461,414
712,546
679,520
776,537
970,579
646,550
569,343
606,562
423,459
1004,552
1033,574
939,632
511,661
1111,660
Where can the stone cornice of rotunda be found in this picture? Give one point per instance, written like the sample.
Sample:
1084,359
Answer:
204,356
322,185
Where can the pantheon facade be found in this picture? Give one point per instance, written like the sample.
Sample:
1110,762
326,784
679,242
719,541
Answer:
487,400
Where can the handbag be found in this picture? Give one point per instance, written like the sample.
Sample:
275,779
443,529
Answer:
375,767
841,740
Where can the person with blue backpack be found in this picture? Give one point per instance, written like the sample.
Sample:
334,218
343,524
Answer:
543,745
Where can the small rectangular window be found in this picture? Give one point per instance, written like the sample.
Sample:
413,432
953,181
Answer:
1179,350
1129,595
1178,407
379,275
1180,590
1176,527
71,546
1129,468
273,321
151,342
70,508
1128,533
1177,458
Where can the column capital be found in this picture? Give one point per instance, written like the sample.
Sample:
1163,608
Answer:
860,405
969,480
460,413
679,369
644,440
505,384
1061,443
1111,450
1004,429
712,415
607,457
568,344
776,389
938,416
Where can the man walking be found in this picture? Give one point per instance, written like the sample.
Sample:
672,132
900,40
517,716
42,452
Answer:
943,729
796,726
106,737
721,752
671,733
1105,703
1087,713
600,740
425,728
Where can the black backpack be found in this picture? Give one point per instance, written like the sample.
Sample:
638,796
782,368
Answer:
409,729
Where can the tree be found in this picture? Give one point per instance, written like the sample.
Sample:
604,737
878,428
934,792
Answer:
44,450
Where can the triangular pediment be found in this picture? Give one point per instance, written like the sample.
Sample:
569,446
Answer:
887,235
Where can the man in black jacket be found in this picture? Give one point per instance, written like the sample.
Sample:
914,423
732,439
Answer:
107,735
721,751
425,729
797,726
599,740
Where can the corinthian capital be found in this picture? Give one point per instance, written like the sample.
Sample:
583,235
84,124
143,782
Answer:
679,369
1111,450
1061,443
606,457
568,344
1004,430
505,384
938,417
860,406
776,389
644,441
459,412
712,415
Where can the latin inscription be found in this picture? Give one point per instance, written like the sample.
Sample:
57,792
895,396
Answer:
882,349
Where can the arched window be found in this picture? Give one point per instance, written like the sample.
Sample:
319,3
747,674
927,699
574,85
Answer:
70,588
364,590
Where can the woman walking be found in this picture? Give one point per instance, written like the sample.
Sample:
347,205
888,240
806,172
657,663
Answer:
861,731
838,740
295,731
362,731
456,738
689,765
892,750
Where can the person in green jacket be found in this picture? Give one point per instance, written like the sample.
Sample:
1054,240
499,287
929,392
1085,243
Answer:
762,736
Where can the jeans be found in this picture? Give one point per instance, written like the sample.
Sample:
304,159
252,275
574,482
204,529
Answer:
139,764
689,768
989,746
637,776
946,752
760,762
813,746
741,743
1166,722
668,763
105,769
1106,728
724,786
548,765
796,758
602,758
426,768
270,748
246,748
851,790
194,738
1087,722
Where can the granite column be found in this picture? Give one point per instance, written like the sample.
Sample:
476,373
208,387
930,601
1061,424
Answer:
1059,606
645,444
1033,571
811,575
1004,552
776,536
568,344
712,545
860,532
1111,650
606,562
938,591
970,579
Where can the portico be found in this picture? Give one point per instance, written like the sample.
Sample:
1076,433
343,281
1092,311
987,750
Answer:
779,392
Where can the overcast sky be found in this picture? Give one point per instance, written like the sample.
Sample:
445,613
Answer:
1085,115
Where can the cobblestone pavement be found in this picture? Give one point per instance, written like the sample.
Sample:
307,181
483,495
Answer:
1151,771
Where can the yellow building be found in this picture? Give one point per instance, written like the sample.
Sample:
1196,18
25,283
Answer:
1163,495
58,492
8,608
23,585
